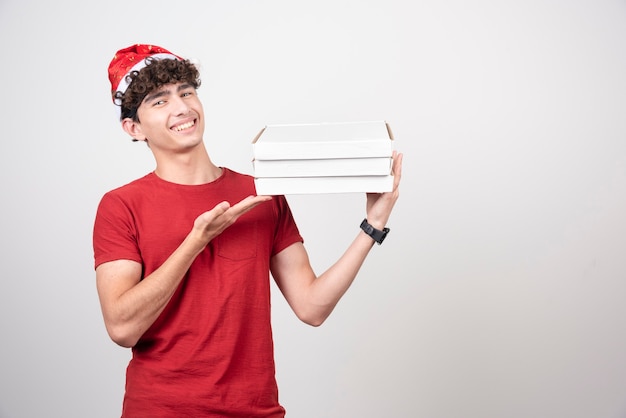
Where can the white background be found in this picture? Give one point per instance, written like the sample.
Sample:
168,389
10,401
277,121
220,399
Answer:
500,291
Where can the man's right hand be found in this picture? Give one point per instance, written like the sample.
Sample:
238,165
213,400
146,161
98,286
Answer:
213,222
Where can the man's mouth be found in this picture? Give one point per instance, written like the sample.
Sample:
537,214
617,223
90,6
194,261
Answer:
184,126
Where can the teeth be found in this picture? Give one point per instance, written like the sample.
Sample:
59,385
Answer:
184,126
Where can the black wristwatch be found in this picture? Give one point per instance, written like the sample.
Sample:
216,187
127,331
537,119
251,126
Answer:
376,234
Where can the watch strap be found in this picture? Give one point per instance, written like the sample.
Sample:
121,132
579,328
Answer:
376,234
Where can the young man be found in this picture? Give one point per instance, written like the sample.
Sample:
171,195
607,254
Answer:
183,257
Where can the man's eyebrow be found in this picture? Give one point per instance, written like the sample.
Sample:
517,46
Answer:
183,86
156,95
166,92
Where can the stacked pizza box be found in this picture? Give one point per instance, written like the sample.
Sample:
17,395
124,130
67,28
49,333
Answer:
323,158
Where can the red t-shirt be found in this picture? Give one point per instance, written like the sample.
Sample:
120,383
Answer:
210,353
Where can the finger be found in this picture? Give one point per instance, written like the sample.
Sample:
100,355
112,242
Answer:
397,168
254,200
220,208
248,203
217,211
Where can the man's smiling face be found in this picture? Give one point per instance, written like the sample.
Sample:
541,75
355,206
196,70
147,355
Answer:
170,117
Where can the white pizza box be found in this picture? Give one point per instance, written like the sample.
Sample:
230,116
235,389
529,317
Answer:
310,141
323,167
321,185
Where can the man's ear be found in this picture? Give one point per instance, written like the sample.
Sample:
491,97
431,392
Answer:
133,129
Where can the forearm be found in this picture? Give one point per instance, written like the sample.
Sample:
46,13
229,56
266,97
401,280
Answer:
327,289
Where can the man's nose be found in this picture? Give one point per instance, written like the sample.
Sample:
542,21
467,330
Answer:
181,107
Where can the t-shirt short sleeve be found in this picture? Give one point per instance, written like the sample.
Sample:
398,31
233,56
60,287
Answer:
287,230
114,235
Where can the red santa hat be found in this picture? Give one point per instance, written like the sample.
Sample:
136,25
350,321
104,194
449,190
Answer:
133,58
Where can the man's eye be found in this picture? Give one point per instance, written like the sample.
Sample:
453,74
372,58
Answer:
158,102
186,94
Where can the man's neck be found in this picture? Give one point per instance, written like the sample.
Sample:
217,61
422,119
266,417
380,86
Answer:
188,168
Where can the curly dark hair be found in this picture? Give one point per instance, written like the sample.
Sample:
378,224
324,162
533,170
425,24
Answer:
155,74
